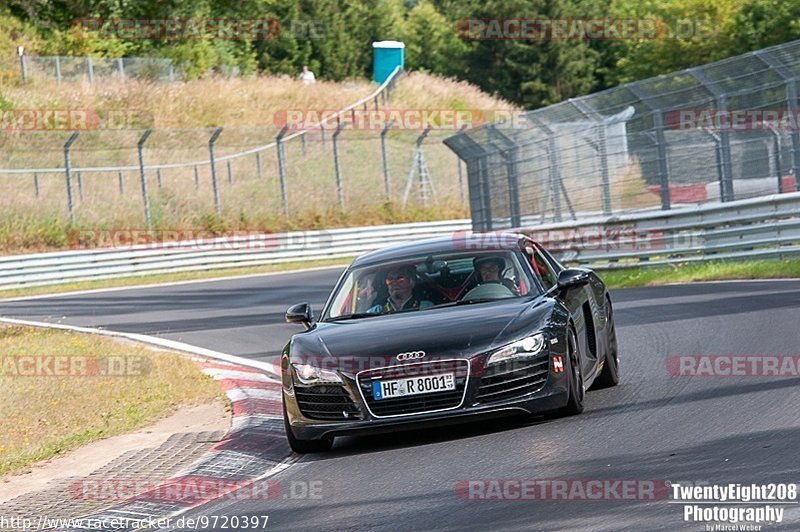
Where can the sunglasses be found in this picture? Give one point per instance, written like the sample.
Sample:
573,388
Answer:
399,278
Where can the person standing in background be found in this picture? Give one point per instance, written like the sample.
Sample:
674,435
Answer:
307,76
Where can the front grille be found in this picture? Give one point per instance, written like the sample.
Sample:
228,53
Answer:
512,378
415,404
326,403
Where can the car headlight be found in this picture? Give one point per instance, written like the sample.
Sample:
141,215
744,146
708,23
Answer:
528,346
308,374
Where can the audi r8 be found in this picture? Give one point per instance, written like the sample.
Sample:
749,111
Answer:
446,330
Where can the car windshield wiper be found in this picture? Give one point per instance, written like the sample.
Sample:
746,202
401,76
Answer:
354,316
468,301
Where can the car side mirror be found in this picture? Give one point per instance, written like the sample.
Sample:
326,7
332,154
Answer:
300,313
572,278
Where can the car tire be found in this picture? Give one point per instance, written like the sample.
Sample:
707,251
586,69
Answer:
305,446
576,388
610,375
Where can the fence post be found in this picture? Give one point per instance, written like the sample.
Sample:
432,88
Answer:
385,158
196,178
282,169
339,188
230,173
158,177
90,70
776,147
258,164
58,69
303,142
604,170
36,184
322,133
68,172
214,186
121,183
80,186
120,68
23,65
143,178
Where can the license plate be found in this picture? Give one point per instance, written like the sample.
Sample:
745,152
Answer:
413,386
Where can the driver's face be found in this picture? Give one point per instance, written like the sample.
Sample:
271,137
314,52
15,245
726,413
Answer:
400,284
490,272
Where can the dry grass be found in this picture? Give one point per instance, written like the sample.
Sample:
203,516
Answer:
47,415
246,108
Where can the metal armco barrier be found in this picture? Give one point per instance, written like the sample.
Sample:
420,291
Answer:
766,227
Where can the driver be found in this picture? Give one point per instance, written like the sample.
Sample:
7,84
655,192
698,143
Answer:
400,281
489,270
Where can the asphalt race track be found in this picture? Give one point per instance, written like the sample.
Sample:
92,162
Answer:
653,426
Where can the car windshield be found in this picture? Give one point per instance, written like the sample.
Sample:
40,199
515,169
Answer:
433,281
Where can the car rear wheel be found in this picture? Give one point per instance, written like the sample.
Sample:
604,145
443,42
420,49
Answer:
610,375
305,446
577,390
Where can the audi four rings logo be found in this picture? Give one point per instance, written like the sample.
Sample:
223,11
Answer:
412,355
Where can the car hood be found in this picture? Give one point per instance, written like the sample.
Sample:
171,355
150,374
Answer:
461,331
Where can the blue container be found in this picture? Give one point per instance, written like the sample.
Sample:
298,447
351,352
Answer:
387,55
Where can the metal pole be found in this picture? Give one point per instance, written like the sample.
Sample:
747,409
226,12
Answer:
422,191
23,63
120,68
460,180
258,164
385,158
303,143
339,188
663,170
36,183
68,171
58,69
282,169
90,70
211,142
196,178
143,178
121,183
604,170
80,186
158,177
776,148
322,133
230,173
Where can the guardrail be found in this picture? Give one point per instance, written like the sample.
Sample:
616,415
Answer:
198,255
756,228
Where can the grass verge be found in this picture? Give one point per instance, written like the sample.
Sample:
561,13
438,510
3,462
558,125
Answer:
169,278
708,271
114,387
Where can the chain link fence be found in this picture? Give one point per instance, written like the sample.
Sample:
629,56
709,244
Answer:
715,133
66,69
244,176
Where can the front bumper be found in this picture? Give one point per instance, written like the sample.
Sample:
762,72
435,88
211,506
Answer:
360,418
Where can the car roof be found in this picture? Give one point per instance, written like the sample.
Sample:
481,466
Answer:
458,241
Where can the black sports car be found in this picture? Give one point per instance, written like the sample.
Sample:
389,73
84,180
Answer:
446,330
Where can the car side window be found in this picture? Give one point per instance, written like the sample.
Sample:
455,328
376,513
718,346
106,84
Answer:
544,270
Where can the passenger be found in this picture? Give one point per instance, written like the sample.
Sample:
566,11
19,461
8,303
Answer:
400,281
